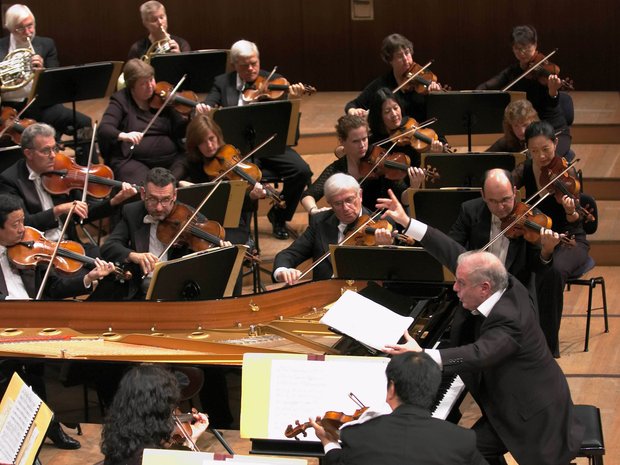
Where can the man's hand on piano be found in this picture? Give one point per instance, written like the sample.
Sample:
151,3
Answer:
410,346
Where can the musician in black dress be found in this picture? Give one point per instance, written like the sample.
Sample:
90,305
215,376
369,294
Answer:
517,117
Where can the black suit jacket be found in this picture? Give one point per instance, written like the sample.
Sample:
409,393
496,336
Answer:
14,180
408,435
43,46
224,91
131,234
511,373
56,288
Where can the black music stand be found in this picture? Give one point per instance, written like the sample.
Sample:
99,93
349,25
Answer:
246,127
466,170
386,263
75,83
225,204
9,155
200,68
439,208
467,112
210,274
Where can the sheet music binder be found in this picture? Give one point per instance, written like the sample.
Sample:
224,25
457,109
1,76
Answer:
225,204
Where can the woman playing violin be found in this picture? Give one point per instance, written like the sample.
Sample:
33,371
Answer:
127,115
396,51
141,415
544,97
352,134
517,117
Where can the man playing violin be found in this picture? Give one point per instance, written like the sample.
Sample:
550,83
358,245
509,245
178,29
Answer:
344,196
480,221
227,91
155,21
20,23
396,51
44,211
544,97
408,434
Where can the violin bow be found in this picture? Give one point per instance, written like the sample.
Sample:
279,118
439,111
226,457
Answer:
349,236
246,156
166,101
376,165
187,437
413,76
529,70
407,132
89,164
55,252
6,128
570,165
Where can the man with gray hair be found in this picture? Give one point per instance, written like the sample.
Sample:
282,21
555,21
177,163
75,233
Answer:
227,91
501,354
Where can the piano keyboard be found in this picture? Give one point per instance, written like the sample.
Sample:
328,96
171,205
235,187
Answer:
448,395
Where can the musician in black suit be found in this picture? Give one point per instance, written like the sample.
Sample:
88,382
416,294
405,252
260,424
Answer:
44,210
20,22
407,435
344,196
480,220
227,91
501,355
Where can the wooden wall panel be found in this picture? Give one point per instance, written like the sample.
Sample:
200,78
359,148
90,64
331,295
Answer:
316,42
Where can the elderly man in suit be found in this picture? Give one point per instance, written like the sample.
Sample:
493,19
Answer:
227,91
344,196
20,23
501,354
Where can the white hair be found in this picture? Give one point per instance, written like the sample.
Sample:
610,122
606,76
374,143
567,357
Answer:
242,49
150,7
15,15
339,182
484,266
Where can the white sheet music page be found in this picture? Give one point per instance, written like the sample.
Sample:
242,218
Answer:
15,423
366,321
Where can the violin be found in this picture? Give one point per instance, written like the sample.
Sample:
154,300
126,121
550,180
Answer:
12,125
366,236
528,225
68,175
34,248
267,88
182,101
228,155
420,139
198,236
331,420
394,166
565,185
543,69
420,82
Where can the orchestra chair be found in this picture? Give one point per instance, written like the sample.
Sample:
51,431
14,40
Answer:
592,444
578,280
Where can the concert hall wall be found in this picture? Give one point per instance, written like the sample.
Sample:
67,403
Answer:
315,41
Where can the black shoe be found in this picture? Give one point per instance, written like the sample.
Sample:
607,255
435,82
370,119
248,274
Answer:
279,225
61,439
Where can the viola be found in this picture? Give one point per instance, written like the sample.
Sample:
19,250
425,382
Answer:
420,139
12,125
566,184
263,89
34,248
421,81
543,69
228,155
366,236
182,101
393,167
68,175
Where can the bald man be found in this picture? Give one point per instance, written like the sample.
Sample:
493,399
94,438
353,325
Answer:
501,354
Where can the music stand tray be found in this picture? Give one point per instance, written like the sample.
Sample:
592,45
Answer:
466,170
387,263
210,274
200,68
225,204
439,208
75,83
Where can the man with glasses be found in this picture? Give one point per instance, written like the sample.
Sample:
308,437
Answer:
480,220
45,211
344,196
21,24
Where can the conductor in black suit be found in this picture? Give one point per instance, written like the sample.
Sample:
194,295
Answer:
480,220
227,91
344,196
409,434
20,23
501,354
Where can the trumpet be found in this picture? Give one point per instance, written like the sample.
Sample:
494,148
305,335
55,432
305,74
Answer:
16,69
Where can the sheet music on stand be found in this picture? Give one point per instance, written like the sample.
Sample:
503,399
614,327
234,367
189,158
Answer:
188,457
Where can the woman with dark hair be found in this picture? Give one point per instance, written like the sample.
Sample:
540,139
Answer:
396,51
517,117
544,97
141,415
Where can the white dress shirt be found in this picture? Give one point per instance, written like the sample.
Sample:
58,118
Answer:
12,279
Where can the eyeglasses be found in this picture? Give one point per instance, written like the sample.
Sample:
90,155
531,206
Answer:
503,201
165,202
47,151
348,201
23,28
